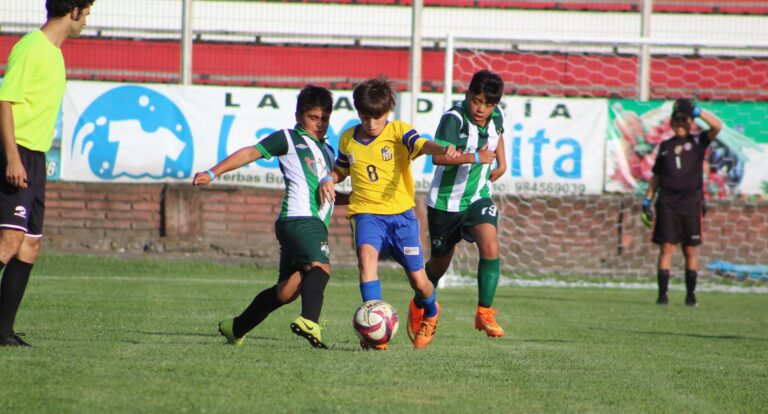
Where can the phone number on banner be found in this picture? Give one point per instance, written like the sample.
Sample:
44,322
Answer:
548,188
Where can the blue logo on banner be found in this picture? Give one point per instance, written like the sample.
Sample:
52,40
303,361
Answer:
133,131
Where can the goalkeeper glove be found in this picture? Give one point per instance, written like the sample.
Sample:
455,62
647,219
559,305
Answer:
647,215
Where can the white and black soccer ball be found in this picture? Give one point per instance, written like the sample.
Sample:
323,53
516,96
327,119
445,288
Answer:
375,322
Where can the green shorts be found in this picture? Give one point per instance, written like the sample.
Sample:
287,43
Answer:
303,240
448,228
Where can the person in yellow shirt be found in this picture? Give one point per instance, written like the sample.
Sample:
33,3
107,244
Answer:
30,99
377,156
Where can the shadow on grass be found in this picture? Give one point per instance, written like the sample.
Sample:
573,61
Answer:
689,335
251,338
542,341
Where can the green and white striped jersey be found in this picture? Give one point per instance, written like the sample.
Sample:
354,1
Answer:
455,187
303,161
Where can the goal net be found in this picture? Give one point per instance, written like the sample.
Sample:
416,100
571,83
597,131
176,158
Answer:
589,225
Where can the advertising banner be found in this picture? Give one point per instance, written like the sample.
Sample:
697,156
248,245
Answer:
736,163
165,133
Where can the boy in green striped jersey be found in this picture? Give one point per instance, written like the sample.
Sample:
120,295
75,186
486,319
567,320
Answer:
459,202
302,225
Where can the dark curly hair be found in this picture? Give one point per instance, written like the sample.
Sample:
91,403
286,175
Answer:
488,83
60,8
312,97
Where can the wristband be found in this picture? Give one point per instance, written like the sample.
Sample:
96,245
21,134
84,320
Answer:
211,174
477,158
326,178
647,201
696,111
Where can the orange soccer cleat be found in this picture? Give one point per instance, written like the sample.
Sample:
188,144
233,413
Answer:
426,331
415,314
485,321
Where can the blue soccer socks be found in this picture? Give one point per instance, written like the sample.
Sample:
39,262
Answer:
371,290
428,304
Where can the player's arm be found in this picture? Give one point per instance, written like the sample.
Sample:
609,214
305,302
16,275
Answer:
647,215
482,156
243,156
715,124
326,190
501,161
15,173
433,148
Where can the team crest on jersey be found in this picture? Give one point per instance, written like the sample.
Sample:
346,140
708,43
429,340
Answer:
687,146
678,149
316,166
386,153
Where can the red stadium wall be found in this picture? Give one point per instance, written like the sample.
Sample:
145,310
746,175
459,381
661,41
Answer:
561,233
721,78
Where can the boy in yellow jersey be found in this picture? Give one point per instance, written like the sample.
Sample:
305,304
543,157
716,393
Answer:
377,156
30,98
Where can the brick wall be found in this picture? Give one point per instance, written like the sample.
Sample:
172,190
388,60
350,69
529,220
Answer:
538,235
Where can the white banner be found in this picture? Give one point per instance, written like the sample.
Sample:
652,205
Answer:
554,146
164,133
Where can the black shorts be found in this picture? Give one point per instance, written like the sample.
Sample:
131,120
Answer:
23,209
303,240
678,223
448,228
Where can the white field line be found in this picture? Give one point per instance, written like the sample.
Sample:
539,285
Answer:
447,281
463,281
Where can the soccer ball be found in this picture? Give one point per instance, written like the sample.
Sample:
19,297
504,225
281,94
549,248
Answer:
375,322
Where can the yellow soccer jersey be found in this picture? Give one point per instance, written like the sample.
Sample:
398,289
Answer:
380,169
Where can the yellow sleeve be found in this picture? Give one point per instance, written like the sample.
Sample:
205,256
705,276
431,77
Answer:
411,139
342,160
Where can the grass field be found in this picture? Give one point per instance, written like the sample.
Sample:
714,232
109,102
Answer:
140,336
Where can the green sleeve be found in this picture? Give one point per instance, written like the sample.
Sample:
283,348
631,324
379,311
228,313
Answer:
498,120
274,145
448,130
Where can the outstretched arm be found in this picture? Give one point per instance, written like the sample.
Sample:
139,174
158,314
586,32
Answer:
433,148
241,157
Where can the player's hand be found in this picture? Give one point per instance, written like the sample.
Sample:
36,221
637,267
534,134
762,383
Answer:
647,216
450,152
486,157
201,178
326,191
16,175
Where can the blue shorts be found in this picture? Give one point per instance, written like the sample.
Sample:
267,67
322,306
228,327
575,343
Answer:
396,234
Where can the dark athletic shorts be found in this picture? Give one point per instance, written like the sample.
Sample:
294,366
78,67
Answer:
446,228
303,240
23,209
678,223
